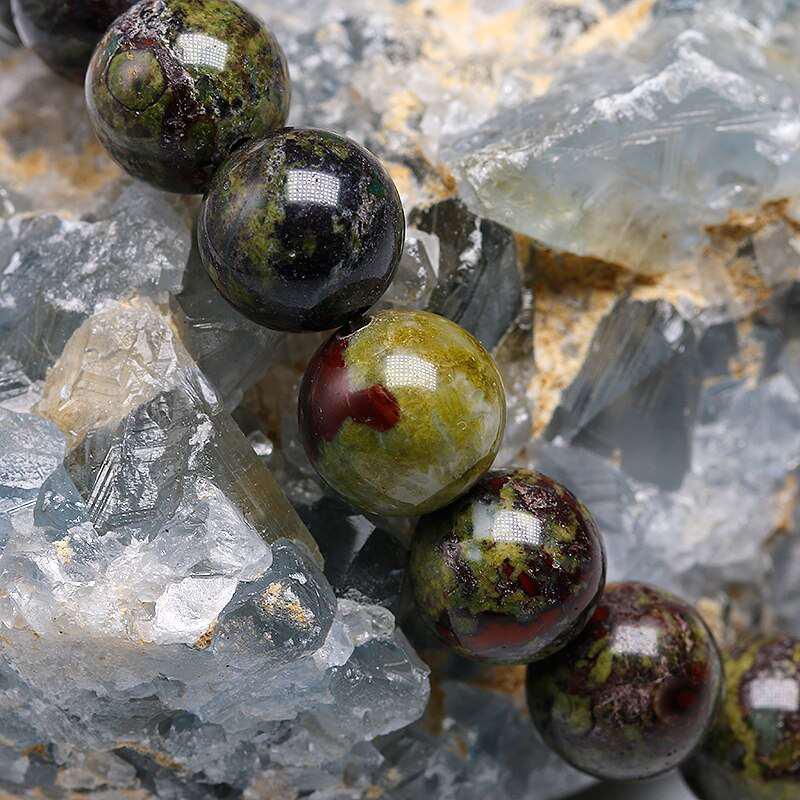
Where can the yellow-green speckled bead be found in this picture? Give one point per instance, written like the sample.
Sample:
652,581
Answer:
402,412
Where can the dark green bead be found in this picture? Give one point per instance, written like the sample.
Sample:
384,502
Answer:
509,572
302,231
64,33
635,692
176,85
402,412
753,750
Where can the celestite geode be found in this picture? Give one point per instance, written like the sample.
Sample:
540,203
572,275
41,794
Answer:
605,193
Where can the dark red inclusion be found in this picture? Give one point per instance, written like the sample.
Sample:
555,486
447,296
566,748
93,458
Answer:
597,628
327,400
499,631
445,630
497,483
376,407
527,584
684,699
677,699
697,672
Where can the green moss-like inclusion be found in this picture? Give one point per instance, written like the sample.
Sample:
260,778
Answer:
734,745
135,79
486,559
229,207
438,439
260,246
438,587
744,732
433,576
601,671
548,699
218,106
575,710
251,59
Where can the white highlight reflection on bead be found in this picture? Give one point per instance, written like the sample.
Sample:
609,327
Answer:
777,694
200,50
409,370
640,640
312,187
506,525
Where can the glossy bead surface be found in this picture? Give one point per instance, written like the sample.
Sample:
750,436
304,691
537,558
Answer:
175,85
509,572
402,412
302,231
753,750
633,695
64,33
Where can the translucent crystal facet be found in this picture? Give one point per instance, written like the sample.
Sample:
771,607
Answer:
605,192
633,153
55,272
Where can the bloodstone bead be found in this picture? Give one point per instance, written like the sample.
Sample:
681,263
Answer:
753,750
635,692
175,85
509,572
402,412
302,231
64,33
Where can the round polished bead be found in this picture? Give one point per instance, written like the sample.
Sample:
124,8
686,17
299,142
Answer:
64,33
402,412
302,231
509,572
176,85
753,750
633,695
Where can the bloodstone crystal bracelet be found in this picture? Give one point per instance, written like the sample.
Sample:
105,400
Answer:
402,412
